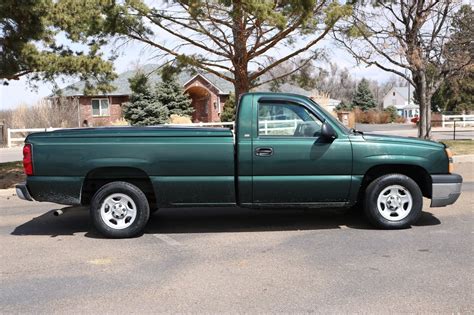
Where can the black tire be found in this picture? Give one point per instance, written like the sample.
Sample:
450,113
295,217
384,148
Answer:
140,204
396,221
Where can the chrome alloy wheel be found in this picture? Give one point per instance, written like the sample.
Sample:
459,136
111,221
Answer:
394,203
118,211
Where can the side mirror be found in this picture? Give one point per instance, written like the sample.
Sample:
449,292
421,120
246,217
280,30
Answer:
327,132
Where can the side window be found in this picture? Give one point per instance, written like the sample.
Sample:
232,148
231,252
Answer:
100,107
287,120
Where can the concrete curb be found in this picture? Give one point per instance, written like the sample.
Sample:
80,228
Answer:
466,158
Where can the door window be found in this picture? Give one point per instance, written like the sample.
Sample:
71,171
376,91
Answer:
287,120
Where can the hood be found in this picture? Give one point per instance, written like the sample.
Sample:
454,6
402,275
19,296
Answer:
402,140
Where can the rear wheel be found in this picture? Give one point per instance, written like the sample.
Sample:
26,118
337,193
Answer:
393,201
119,210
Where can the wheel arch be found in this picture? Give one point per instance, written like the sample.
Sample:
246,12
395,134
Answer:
417,173
98,177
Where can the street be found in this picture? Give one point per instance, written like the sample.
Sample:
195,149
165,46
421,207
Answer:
218,260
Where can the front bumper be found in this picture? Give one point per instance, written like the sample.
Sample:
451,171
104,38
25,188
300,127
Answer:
22,192
445,190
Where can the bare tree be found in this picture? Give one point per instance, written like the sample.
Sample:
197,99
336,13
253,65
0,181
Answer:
410,39
237,40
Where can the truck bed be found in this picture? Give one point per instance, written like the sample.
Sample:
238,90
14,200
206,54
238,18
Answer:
183,164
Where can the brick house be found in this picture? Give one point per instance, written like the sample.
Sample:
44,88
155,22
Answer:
207,91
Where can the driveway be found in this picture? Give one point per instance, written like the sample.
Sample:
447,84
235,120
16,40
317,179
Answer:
220,260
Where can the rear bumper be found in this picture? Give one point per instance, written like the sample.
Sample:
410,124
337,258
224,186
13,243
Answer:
446,189
22,192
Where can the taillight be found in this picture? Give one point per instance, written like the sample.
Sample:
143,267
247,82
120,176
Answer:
27,159
449,153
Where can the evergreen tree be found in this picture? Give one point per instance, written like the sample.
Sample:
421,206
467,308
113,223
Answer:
392,112
29,42
364,99
456,93
342,106
144,108
228,113
171,94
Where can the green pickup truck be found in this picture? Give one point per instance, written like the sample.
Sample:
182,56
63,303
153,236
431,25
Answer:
286,152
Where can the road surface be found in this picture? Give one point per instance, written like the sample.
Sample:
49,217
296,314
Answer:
236,260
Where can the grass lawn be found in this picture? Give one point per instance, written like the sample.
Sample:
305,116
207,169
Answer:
11,173
460,147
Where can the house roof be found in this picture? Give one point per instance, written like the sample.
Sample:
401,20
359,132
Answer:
122,86
402,91
225,87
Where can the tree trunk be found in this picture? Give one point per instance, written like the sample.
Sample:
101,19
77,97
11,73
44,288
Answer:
240,57
424,126
242,84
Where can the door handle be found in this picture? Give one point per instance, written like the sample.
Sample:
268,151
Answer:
264,151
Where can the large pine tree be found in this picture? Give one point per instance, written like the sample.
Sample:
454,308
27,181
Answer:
364,99
171,94
144,108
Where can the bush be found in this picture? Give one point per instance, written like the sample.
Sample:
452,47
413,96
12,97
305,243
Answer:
373,116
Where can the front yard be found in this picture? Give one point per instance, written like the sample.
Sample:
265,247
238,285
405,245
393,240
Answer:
460,147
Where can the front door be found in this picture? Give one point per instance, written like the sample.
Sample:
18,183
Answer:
292,164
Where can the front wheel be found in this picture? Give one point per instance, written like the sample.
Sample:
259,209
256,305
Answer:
393,201
119,210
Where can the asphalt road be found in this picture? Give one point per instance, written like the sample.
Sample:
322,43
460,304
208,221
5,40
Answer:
235,260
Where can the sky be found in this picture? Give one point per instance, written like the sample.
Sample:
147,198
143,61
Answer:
21,93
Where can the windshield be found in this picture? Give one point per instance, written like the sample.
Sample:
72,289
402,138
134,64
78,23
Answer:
331,117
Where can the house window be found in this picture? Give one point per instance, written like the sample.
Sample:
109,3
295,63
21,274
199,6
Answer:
100,107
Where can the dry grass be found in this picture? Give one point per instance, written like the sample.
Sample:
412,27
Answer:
11,173
57,113
460,147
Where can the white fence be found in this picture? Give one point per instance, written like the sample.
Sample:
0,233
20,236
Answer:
265,125
12,140
10,132
459,120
